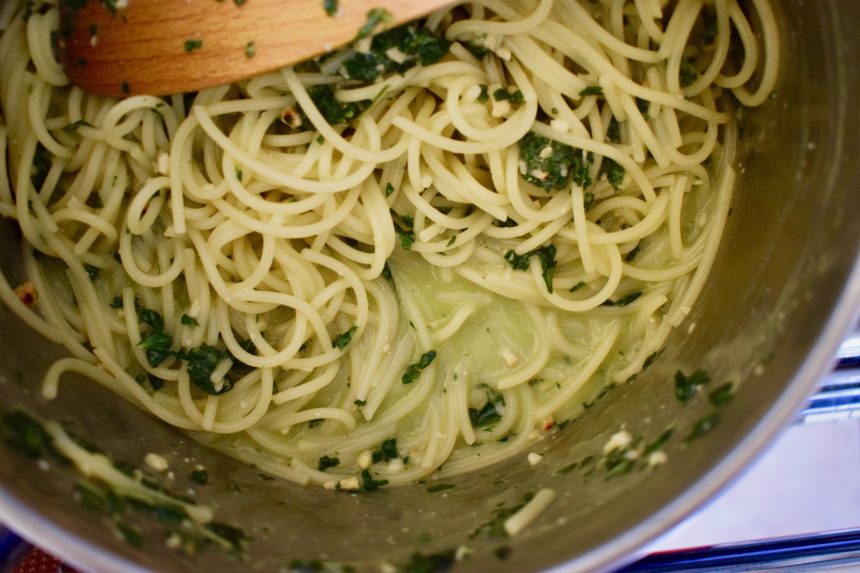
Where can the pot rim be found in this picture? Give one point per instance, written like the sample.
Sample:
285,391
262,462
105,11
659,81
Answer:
626,548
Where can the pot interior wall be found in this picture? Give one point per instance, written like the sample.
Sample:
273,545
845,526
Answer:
781,274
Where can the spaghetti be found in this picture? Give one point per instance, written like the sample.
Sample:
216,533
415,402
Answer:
412,256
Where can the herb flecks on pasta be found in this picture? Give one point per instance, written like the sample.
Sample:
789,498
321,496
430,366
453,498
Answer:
413,256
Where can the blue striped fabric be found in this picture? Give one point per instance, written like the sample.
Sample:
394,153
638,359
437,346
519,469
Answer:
11,549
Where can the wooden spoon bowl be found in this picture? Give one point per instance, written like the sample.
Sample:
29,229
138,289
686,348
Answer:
158,47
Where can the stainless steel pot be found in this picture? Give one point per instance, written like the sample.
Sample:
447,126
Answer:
783,292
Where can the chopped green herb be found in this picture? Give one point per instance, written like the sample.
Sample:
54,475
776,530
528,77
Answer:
42,162
92,272
613,132
484,94
359,404
150,381
25,434
686,386
587,200
618,462
368,484
29,9
478,50
320,139
250,49
703,425
202,362
343,340
416,45
643,105
591,90
581,174
502,94
193,44
614,172
96,498
330,7
389,189
433,563
364,67
232,535
711,28
424,45
625,300
326,462
387,451
550,164
157,346
405,234
164,513
375,18
495,528
189,320
413,371
151,318
579,464
437,487
491,412
688,75
333,110
452,240
116,302
577,286
157,343
658,443
508,222
722,395
546,255
518,262
199,476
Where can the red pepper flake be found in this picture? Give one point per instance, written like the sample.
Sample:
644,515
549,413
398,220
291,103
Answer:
26,293
548,423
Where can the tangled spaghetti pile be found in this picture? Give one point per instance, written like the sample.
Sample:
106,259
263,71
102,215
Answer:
424,249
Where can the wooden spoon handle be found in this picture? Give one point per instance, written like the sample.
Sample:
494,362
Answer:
163,47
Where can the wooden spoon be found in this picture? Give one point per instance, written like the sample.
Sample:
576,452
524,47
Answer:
126,47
